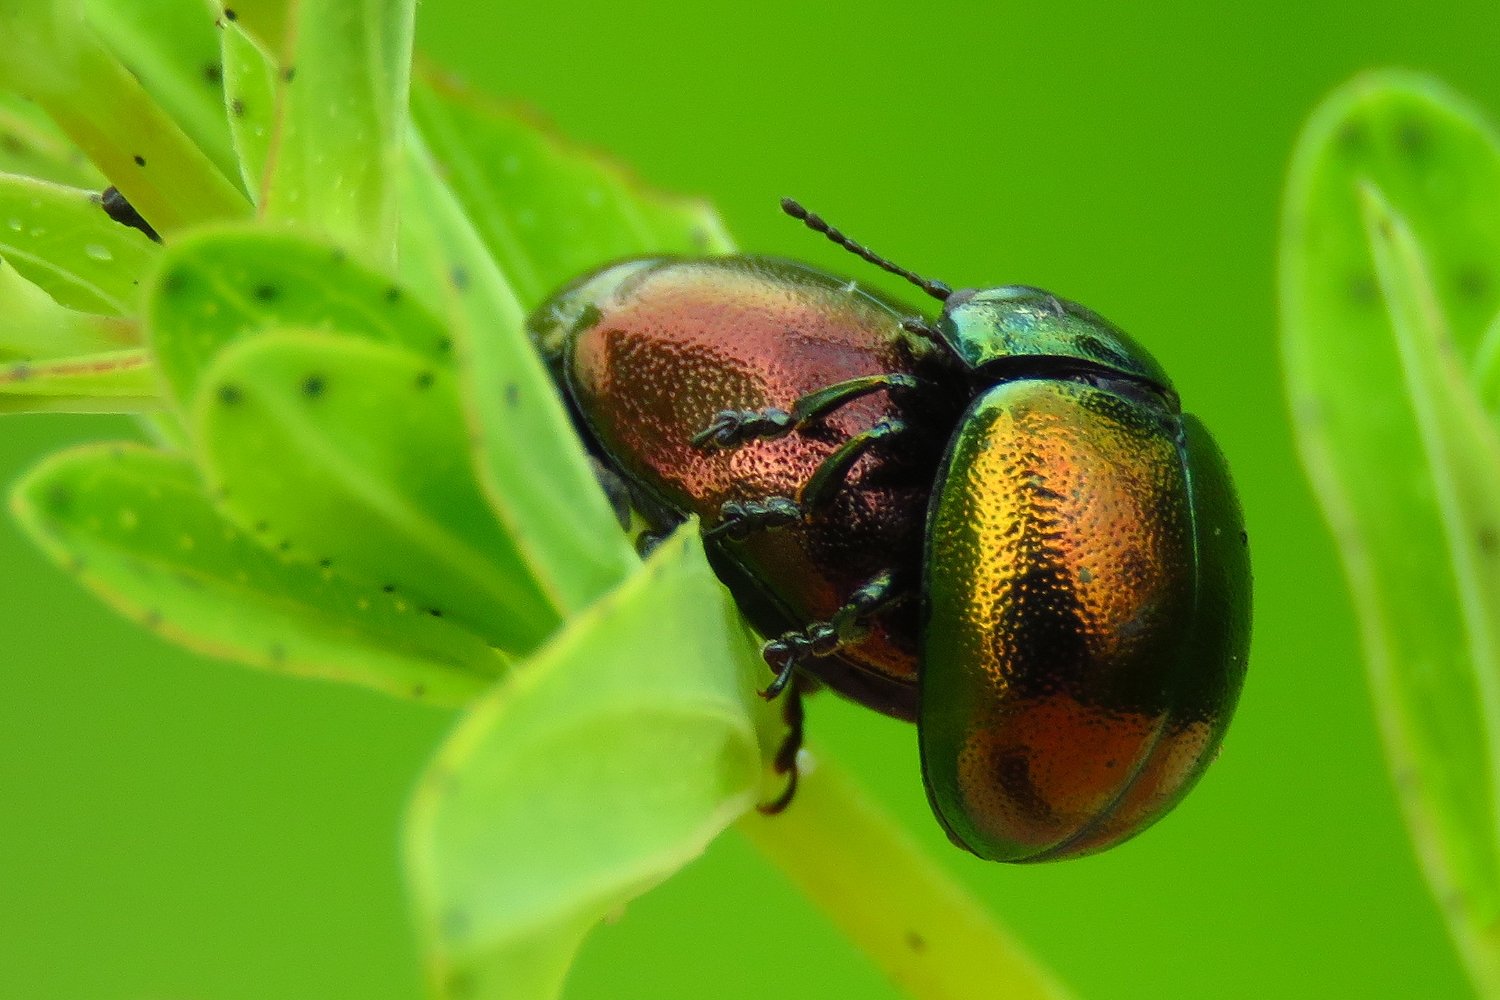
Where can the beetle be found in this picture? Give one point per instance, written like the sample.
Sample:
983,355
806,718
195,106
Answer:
999,525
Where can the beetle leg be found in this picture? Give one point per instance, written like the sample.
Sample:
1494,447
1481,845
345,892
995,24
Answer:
732,428
739,521
786,754
833,470
823,638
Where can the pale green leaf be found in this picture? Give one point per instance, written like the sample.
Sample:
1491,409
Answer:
1387,463
218,285
530,460
61,239
33,326
115,382
137,528
547,210
53,58
336,151
169,45
250,100
340,450
597,769
31,145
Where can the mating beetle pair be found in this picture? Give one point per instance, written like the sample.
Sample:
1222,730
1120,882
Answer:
1000,526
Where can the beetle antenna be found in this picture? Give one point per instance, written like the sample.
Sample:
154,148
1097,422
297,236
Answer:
815,222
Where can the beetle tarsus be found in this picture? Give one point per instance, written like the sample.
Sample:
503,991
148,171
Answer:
732,428
738,521
786,755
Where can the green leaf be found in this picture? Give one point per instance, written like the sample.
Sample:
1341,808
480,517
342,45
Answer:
169,45
115,382
250,96
340,450
136,527
592,773
216,286
547,210
1392,450
61,239
53,58
336,152
530,460
33,326
31,145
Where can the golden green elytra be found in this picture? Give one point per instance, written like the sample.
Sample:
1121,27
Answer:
999,525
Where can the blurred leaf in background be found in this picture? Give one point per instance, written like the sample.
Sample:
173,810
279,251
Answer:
1390,287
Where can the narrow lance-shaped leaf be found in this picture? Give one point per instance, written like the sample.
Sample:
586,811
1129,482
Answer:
137,528
53,58
336,152
250,101
34,147
547,210
169,45
1463,459
597,769
62,240
33,326
217,285
115,382
530,460
1364,449
343,452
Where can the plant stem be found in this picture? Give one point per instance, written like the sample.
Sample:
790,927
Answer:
901,908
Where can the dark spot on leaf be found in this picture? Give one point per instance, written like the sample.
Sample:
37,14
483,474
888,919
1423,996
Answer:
1244,538
213,73
174,282
389,588
1414,137
237,108
445,345
313,386
20,372
289,74
460,278
12,143
1473,282
393,294
456,923
339,256
261,526
1351,137
266,293
512,394
418,690
152,619
435,612
424,380
325,562
230,15
284,545
189,581
140,161
1362,289
915,941
1489,542
78,564
278,652
460,985
59,498
230,395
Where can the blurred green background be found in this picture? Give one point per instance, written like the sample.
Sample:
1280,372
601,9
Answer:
177,829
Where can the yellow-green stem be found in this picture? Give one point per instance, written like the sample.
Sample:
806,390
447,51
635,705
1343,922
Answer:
898,905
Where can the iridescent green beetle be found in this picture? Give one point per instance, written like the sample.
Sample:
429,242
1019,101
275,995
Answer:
1001,526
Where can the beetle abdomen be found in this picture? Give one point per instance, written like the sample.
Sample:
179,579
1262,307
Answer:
1062,648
